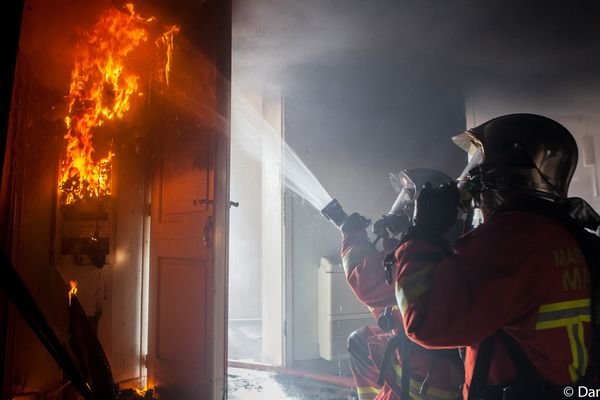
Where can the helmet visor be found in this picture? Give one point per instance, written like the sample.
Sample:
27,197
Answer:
474,148
406,190
474,160
400,181
404,203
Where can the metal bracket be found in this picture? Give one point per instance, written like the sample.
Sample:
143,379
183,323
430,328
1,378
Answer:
198,202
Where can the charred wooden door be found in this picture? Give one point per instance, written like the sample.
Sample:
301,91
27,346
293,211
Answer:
189,208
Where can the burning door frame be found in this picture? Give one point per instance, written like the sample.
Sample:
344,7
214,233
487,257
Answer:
38,237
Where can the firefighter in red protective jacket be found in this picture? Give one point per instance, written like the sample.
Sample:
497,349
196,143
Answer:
517,290
433,374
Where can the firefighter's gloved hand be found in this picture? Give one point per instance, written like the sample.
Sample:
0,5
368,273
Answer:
390,244
390,224
355,222
380,227
436,210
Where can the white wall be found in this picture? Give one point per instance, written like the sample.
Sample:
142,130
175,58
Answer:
256,226
272,233
245,233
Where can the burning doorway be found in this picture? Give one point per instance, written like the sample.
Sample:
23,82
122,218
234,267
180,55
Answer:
116,177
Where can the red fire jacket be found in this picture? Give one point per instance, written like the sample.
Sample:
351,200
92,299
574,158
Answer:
366,277
519,272
364,272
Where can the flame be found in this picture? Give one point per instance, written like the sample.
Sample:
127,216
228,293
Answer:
101,90
73,290
142,392
166,40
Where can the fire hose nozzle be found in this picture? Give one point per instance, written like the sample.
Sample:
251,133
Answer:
335,213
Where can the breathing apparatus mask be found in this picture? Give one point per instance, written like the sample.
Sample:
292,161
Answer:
408,184
398,219
406,189
469,183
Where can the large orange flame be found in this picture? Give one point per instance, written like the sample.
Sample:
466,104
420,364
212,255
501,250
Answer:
101,91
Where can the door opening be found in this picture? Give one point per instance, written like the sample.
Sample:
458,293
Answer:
256,329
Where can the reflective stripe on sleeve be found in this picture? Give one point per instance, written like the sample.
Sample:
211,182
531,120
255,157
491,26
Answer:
367,392
394,308
409,287
354,255
569,315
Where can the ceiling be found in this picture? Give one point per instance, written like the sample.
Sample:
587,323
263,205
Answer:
533,43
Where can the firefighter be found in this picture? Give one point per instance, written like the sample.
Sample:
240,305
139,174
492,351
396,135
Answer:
516,290
433,375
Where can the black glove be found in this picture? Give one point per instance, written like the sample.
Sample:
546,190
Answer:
390,224
436,210
390,244
355,222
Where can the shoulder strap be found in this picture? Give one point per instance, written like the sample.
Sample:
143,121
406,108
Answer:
405,354
401,343
405,346
393,344
525,371
481,370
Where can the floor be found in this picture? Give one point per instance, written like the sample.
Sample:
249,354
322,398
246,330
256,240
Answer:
245,384
245,341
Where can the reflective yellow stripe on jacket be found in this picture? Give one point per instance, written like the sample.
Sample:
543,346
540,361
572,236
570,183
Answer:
415,387
394,308
367,392
569,315
412,286
354,255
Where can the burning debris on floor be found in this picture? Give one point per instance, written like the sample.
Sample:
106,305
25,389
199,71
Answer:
137,394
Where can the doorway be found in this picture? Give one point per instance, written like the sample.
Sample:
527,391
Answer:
256,280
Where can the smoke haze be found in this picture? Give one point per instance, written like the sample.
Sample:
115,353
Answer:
373,87
532,42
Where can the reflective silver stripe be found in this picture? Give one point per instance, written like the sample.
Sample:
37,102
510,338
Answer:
563,314
569,315
580,349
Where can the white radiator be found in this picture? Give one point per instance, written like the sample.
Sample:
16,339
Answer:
340,312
